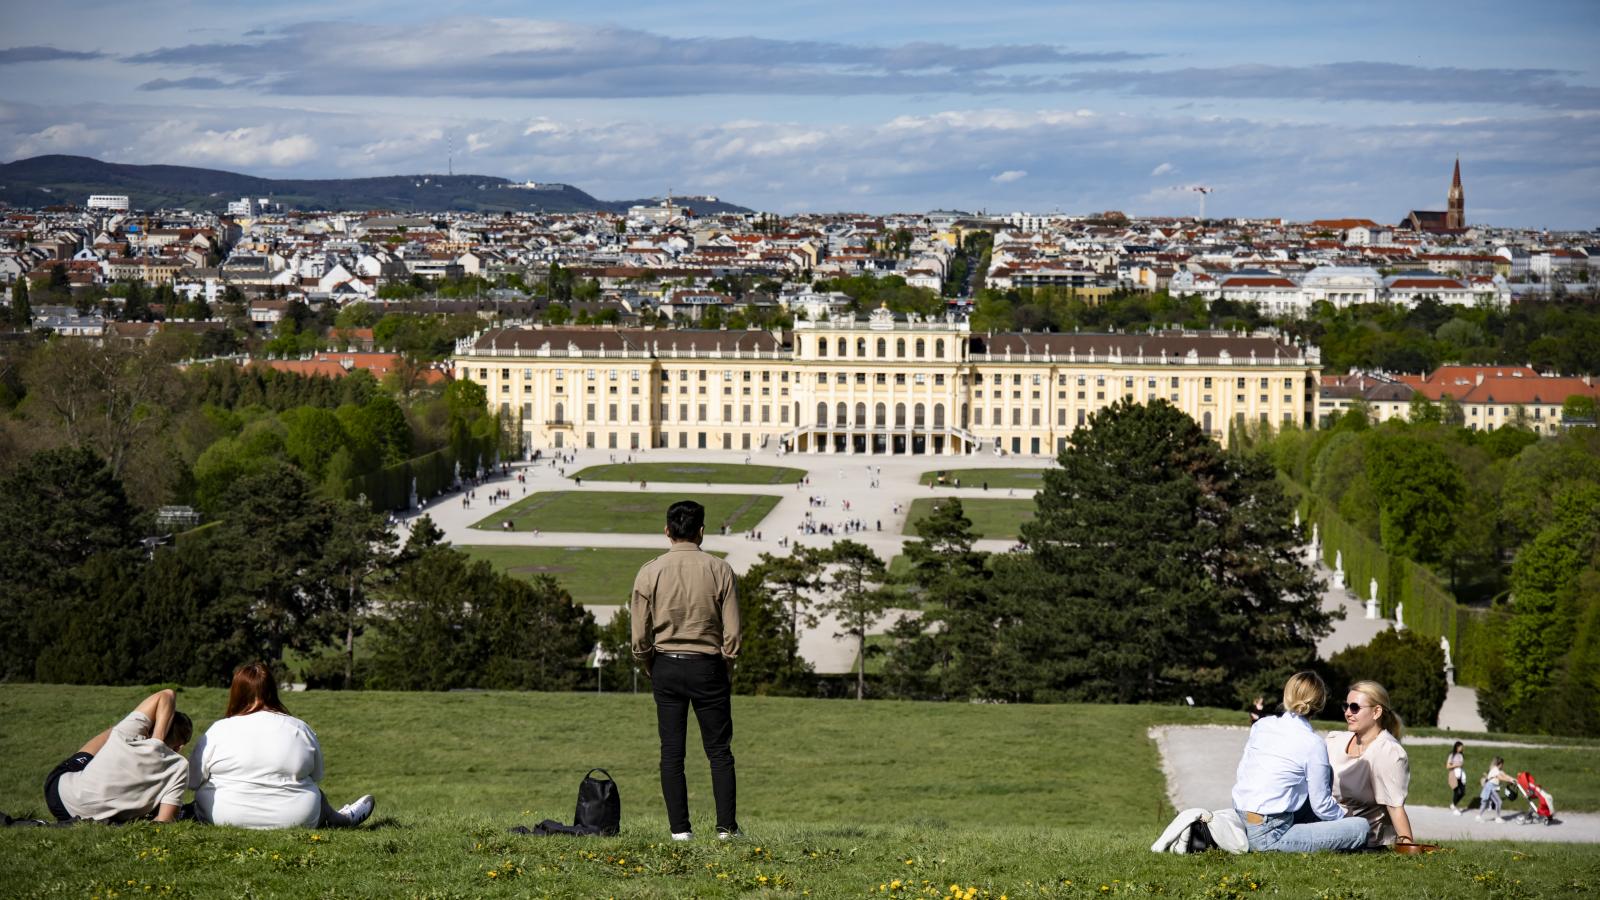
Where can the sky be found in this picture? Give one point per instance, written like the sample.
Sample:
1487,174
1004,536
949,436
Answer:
1300,110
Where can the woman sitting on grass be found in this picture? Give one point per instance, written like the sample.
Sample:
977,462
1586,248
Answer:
1371,773
258,766
1283,789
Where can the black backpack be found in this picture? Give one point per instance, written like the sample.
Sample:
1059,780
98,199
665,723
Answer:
599,804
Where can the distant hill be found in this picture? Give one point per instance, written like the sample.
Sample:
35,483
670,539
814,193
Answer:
52,180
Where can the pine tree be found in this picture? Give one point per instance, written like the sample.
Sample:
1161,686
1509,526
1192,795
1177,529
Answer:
1160,568
21,312
856,576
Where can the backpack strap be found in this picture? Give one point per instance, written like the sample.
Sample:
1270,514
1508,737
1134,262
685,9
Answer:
602,772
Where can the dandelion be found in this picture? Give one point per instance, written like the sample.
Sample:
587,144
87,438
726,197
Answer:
493,874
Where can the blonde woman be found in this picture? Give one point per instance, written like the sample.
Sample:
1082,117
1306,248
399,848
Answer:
1284,787
1371,773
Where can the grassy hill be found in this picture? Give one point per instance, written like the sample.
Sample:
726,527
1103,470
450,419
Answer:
56,179
837,799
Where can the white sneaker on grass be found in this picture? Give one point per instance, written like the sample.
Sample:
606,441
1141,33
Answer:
358,811
683,835
724,834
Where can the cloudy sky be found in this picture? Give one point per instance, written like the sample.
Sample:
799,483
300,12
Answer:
1281,108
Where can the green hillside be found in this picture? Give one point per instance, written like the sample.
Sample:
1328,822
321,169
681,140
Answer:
50,180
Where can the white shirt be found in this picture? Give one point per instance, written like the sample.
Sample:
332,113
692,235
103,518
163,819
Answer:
258,771
1285,762
130,776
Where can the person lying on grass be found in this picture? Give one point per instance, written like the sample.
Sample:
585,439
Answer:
1371,772
259,767
130,770
1283,788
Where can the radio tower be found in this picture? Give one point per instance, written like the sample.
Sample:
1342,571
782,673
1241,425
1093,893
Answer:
450,159
1202,191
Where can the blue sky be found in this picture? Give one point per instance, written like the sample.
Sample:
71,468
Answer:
1300,110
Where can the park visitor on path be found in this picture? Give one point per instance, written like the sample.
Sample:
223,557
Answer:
1489,792
1284,786
1371,772
685,614
130,770
1456,766
258,766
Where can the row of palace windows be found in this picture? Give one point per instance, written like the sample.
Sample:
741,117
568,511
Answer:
920,348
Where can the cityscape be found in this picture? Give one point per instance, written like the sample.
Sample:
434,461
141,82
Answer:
1010,396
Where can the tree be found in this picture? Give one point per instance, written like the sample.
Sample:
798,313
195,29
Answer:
426,639
109,399
855,575
791,581
769,659
21,312
1419,490
1408,665
945,652
535,638
61,508
360,550
1160,568
273,546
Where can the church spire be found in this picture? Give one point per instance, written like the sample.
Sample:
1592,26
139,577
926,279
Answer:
1455,217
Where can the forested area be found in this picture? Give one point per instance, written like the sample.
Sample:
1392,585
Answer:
1560,335
1508,522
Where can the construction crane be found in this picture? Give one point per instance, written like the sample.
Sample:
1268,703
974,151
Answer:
1202,191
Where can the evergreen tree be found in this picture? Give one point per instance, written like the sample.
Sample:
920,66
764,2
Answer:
791,582
21,312
1160,568
855,575
947,651
769,658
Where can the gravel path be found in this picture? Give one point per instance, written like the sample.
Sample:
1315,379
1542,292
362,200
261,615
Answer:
1200,762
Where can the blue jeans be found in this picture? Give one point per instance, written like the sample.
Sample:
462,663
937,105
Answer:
1288,833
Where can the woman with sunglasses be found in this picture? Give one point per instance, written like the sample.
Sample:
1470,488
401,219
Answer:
1371,773
1283,789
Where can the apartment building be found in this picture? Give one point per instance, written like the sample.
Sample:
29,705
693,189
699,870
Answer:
883,385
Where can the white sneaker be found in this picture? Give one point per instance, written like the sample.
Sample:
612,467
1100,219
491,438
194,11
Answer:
683,835
1456,810
358,811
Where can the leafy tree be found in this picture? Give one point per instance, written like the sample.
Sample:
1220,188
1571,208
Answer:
109,399
855,575
1160,567
314,436
426,640
1408,665
1420,491
535,637
791,581
769,660
360,551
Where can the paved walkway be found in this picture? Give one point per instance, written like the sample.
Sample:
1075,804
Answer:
1200,762
833,477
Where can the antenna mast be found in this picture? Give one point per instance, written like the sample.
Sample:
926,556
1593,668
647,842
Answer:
1202,191
451,158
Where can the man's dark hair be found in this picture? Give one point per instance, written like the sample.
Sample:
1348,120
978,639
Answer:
179,730
685,519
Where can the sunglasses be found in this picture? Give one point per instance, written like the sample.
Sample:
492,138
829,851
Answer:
1353,708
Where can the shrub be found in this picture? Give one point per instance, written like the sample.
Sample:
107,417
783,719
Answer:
1408,664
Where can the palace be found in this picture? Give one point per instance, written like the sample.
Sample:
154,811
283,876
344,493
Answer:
885,385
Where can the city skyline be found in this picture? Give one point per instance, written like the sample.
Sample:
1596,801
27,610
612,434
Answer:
1304,114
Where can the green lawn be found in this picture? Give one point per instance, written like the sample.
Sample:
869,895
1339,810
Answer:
693,473
998,479
837,799
624,512
991,518
590,574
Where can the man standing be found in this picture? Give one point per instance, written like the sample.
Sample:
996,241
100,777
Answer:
128,771
685,615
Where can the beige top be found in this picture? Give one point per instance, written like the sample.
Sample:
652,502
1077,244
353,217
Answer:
1364,785
685,601
130,776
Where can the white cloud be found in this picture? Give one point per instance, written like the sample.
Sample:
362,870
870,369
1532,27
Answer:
249,146
1162,169
1009,176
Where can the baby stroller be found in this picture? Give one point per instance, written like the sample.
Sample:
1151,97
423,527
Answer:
1541,803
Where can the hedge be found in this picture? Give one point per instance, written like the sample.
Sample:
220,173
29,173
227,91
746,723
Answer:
1430,609
389,488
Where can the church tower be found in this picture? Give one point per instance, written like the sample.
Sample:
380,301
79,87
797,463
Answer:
1455,217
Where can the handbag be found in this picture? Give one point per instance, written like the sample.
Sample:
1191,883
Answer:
599,804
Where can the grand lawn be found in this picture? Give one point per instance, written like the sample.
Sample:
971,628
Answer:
693,473
991,518
623,512
997,479
837,799
590,574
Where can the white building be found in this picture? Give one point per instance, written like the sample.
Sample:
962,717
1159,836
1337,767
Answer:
1342,285
118,202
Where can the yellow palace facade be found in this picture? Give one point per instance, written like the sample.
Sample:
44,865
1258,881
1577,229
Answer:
884,385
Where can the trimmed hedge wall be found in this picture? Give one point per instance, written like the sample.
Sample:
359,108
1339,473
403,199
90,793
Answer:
390,488
1430,609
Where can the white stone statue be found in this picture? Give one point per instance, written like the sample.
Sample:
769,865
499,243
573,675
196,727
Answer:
1449,667
1400,617
1297,520
1315,540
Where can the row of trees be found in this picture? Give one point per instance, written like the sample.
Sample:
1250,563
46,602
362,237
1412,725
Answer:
1509,520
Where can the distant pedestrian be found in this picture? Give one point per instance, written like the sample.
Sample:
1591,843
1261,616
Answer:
1456,767
686,633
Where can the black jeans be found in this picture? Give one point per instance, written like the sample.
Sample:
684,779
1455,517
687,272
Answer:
703,683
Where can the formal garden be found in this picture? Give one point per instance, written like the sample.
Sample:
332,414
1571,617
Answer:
991,518
693,473
620,512
993,479
592,575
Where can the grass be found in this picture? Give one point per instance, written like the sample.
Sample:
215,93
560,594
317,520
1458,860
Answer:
998,479
837,799
623,512
997,518
590,574
694,473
